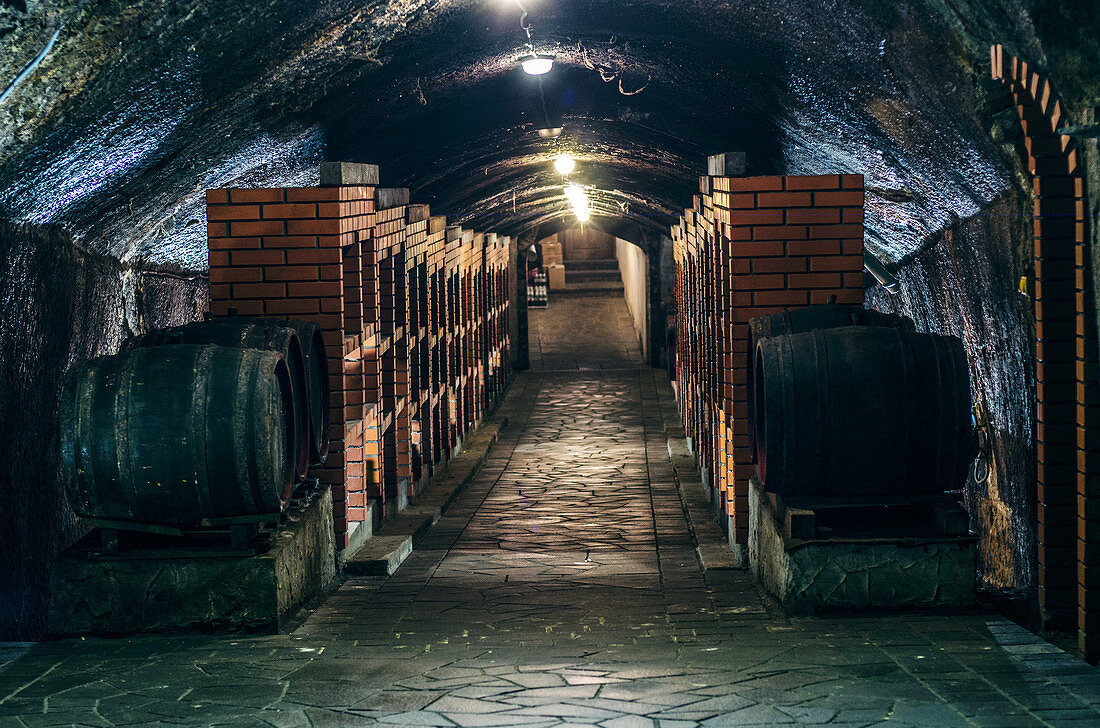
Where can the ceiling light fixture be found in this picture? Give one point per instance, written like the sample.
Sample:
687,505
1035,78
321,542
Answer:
533,64
565,164
537,64
550,133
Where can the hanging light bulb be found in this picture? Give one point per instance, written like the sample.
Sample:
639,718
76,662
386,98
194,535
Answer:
576,196
578,199
565,164
537,64
533,64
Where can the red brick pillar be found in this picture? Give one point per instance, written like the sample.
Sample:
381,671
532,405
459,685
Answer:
1067,396
754,246
280,253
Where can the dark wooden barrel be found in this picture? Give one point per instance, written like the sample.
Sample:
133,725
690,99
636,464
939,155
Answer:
253,333
861,411
810,318
178,433
317,381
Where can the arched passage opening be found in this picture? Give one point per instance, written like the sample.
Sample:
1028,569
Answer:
595,311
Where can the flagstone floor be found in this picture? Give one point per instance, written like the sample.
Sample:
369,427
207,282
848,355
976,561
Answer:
563,589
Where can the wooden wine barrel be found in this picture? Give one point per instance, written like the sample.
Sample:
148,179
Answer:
317,382
809,318
860,411
178,433
253,333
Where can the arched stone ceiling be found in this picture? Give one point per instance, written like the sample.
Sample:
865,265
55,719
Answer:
139,106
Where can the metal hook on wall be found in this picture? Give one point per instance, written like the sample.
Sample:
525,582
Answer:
983,430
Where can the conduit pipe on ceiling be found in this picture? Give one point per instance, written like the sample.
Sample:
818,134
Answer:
29,68
875,267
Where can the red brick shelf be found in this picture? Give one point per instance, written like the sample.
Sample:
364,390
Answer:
418,347
752,246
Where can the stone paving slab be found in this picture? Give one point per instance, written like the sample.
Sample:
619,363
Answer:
583,333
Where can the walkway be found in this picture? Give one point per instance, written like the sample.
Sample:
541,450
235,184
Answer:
562,589
582,333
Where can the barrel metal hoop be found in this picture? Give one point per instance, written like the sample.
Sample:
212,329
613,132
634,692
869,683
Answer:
825,413
250,373
291,438
787,440
905,346
124,396
85,462
198,430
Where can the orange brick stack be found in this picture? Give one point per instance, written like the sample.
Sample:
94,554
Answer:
369,269
477,348
423,254
471,265
434,418
752,246
393,276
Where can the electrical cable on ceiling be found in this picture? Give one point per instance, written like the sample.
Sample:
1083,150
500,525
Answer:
524,25
636,91
609,74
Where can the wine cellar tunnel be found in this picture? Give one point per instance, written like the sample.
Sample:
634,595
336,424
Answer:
547,362
585,270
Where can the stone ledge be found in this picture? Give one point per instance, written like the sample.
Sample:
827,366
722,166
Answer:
338,174
362,533
132,592
807,576
710,542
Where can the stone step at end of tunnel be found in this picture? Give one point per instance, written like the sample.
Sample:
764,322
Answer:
594,275
591,265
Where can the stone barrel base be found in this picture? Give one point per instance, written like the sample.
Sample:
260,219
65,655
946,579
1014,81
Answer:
130,592
833,574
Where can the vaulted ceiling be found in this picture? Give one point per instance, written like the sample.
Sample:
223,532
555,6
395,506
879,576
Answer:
137,107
